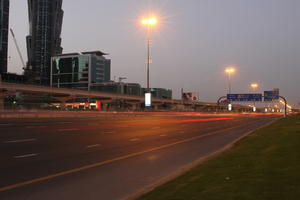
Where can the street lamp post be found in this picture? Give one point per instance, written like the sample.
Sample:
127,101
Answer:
229,71
149,22
254,86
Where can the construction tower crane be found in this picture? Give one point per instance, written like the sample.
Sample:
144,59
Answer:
18,49
121,79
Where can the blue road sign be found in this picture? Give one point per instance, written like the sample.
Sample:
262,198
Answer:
271,95
244,97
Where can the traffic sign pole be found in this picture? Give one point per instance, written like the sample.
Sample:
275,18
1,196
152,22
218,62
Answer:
285,106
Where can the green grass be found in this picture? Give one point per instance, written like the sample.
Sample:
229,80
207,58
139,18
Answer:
262,166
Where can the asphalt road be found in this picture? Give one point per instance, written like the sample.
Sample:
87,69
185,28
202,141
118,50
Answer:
112,156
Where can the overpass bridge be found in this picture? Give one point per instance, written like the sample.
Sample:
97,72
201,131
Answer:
64,94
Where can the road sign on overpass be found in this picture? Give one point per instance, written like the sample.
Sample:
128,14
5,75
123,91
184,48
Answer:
244,97
271,95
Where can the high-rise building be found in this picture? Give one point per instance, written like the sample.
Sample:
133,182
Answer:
80,71
44,40
134,89
4,21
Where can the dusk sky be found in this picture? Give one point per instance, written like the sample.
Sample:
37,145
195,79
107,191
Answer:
192,45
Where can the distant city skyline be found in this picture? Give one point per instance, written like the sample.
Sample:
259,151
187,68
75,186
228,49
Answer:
193,44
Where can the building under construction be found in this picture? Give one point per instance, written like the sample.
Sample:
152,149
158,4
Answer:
44,40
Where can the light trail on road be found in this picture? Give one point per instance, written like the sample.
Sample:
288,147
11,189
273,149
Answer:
111,146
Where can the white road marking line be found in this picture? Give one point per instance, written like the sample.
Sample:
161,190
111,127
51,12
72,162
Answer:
163,135
19,141
134,139
35,126
109,132
5,124
65,122
154,128
93,146
69,129
26,156
105,162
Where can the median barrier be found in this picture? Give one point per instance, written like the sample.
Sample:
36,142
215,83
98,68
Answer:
45,114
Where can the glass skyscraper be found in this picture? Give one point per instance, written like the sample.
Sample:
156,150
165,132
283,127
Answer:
4,21
44,40
80,71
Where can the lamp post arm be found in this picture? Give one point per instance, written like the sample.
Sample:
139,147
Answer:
223,97
285,105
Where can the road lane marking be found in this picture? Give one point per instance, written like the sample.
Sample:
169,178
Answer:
68,129
5,124
134,139
35,126
98,164
26,156
93,146
19,141
109,132
154,128
65,122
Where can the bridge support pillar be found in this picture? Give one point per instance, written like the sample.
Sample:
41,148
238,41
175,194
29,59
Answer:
155,107
3,94
1,102
135,106
178,107
104,106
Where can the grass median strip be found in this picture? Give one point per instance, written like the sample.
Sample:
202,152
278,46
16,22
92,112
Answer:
262,166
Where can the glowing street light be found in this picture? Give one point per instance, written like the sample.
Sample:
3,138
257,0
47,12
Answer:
254,86
229,71
148,22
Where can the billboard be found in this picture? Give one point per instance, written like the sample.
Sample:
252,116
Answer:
190,96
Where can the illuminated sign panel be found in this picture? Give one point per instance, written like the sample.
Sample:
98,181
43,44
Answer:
271,95
148,99
229,107
244,97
